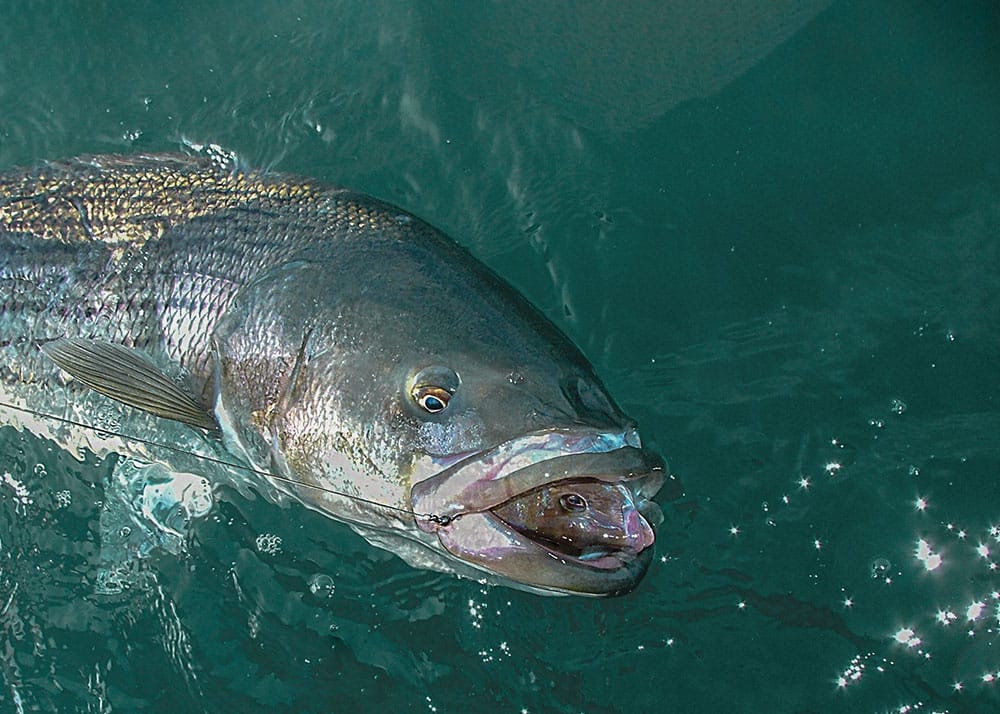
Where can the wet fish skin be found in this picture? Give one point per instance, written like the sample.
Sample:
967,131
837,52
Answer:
303,316
82,249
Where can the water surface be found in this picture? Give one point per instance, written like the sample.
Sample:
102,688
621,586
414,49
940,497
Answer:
775,233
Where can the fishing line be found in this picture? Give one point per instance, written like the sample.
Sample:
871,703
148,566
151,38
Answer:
432,517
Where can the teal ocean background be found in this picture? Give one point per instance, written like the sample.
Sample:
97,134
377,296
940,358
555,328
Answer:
773,227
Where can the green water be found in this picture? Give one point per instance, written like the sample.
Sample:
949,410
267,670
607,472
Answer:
773,229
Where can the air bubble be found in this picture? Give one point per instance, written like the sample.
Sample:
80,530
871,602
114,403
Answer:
107,419
269,543
321,586
880,568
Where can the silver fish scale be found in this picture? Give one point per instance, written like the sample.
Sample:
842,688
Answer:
149,251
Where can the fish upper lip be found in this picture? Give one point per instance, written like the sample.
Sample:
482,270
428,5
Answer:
494,476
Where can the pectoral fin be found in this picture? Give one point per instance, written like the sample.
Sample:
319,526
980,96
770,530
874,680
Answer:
128,377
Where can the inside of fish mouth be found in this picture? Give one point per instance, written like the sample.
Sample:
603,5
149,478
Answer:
563,546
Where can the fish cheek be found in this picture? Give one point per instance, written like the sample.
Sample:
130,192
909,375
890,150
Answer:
458,433
316,444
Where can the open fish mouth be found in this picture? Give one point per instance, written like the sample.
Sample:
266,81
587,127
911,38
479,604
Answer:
561,510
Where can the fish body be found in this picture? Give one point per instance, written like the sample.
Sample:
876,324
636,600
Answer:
349,353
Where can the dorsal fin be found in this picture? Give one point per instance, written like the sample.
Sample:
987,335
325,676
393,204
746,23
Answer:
127,376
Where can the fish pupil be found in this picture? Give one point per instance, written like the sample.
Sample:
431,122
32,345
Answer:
572,502
432,404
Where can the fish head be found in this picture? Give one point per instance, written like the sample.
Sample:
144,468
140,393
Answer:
409,377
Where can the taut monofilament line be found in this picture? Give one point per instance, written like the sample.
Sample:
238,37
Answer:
441,520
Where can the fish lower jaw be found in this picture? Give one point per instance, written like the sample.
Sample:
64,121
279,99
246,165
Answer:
591,557
487,543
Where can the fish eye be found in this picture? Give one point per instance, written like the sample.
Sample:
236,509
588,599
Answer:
573,502
433,387
432,400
